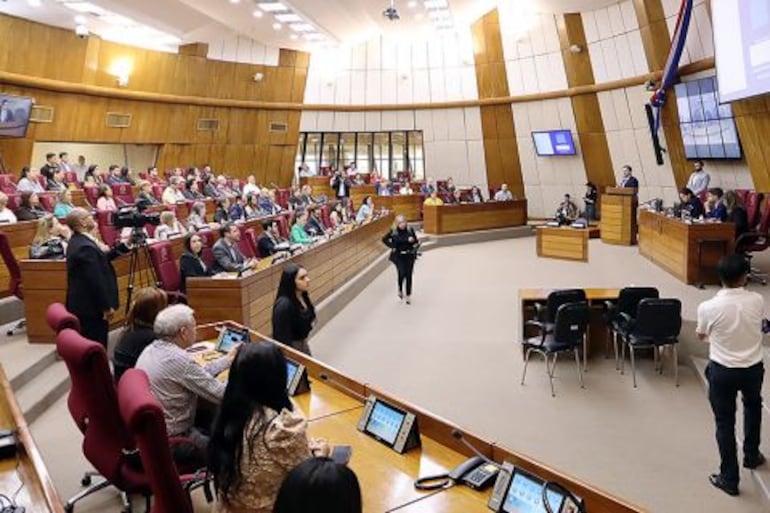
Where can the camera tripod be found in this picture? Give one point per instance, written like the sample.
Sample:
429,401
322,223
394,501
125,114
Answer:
147,277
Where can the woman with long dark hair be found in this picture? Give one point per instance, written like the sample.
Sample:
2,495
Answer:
403,244
319,485
293,312
259,435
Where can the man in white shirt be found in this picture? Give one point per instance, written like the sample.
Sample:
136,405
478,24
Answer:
731,323
699,179
503,194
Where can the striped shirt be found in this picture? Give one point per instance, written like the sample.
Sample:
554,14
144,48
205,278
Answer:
177,381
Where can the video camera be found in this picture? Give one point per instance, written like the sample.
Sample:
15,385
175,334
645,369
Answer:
134,217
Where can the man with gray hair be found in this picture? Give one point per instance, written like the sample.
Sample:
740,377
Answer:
176,380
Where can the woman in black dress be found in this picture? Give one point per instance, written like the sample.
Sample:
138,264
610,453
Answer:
403,244
191,265
293,312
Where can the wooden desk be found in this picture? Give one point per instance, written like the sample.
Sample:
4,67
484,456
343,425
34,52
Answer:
469,217
690,252
249,300
618,222
563,242
408,206
38,494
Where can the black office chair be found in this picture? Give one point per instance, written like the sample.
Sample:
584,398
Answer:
545,315
627,302
569,333
657,325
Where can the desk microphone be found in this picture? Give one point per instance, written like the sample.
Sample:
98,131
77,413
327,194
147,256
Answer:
459,435
337,384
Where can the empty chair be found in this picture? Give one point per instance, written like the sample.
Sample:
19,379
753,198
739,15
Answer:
14,277
59,318
627,302
568,335
657,325
545,315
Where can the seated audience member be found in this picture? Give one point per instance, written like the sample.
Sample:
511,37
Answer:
297,200
433,199
93,176
197,219
405,189
567,210
503,194
427,187
51,163
169,226
172,194
313,227
138,333
715,207
222,212
227,256
268,239
384,188
63,204
105,201
235,188
736,214
6,214
298,235
250,187
113,175
366,210
29,207
177,380
190,191
589,199
319,485
252,209
29,181
267,204
691,203
145,194
476,196
237,212
50,239
358,179
210,188
191,264
259,434
56,182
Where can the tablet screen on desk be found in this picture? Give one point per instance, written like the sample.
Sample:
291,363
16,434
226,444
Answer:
228,339
525,495
385,422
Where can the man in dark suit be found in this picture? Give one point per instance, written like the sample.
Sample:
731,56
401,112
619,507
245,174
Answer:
227,256
628,179
92,287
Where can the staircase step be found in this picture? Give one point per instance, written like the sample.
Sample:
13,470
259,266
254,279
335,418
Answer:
22,361
37,395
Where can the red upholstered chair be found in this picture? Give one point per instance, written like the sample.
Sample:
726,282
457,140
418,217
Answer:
248,243
109,232
59,318
209,238
92,194
143,416
93,404
166,269
71,177
15,287
48,200
123,193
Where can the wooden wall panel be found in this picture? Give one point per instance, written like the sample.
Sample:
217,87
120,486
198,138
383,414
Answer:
500,148
657,42
595,150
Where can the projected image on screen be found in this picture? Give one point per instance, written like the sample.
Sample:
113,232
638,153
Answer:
525,495
384,422
742,47
708,128
14,115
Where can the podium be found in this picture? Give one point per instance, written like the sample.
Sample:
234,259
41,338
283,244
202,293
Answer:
618,223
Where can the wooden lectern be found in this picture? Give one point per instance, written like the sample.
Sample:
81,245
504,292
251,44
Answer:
618,223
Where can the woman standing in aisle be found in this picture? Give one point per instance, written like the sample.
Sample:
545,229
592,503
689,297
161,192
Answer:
403,244
293,312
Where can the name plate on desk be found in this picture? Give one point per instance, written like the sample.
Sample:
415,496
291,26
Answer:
390,425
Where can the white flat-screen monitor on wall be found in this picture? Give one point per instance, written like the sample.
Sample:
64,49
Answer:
742,47
14,115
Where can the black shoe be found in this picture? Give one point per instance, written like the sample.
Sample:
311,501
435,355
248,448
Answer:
756,461
719,482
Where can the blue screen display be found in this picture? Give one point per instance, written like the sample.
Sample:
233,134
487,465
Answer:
385,422
525,495
554,142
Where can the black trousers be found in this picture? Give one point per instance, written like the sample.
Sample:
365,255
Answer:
724,385
95,328
405,267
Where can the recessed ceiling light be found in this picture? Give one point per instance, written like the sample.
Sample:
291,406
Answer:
257,13
288,17
277,26
272,6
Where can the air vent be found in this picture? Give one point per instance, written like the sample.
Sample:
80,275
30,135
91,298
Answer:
276,126
41,114
118,120
208,125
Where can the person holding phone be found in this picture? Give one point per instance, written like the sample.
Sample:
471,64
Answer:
403,243
293,312
259,434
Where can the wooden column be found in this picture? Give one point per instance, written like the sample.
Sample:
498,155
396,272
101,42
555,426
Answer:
588,115
500,148
657,43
